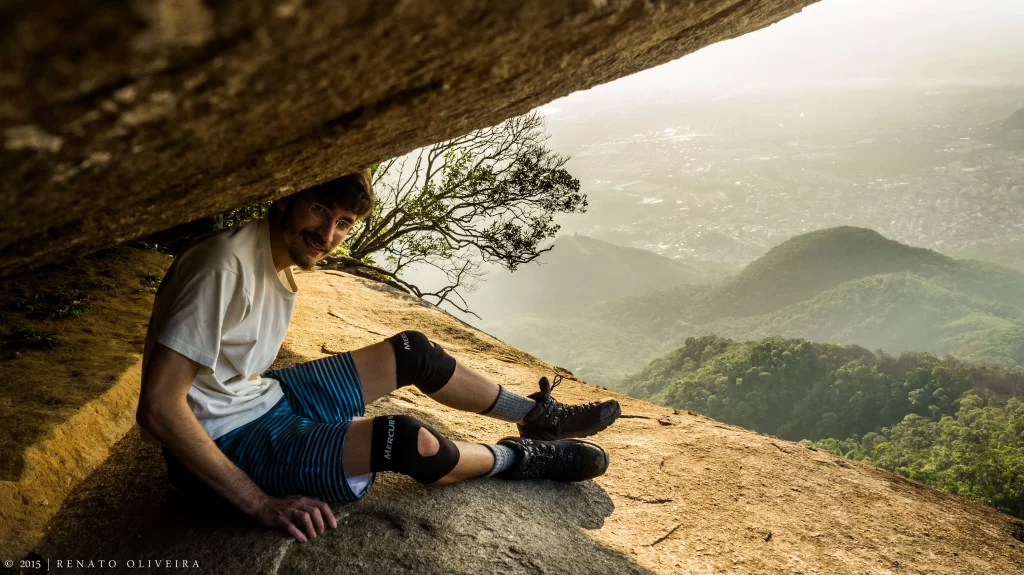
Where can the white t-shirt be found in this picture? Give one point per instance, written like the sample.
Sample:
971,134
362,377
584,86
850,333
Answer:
223,305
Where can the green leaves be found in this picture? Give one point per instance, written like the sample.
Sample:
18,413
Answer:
246,213
27,338
801,390
977,453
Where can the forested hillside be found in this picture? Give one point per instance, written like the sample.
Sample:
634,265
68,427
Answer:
812,264
842,285
808,264
977,453
941,421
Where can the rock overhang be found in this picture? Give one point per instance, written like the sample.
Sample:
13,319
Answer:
119,119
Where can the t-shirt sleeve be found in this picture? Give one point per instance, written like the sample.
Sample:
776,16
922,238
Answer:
209,303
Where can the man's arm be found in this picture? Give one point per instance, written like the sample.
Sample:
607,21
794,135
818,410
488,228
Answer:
163,411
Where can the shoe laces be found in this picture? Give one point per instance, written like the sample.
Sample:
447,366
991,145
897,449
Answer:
559,411
546,458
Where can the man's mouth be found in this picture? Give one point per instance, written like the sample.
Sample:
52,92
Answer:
314,248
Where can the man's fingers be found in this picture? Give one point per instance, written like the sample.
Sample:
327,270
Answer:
307,523
321,512
318,520
325,510
304,518
294,532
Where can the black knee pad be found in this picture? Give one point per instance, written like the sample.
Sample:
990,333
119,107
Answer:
421,362
394,448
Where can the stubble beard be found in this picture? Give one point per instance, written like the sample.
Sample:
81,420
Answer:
300,257
297,251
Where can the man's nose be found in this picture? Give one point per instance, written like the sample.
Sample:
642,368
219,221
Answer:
325,230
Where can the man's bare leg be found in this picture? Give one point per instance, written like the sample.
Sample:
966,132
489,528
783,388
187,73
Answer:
474,459
411,358
466,390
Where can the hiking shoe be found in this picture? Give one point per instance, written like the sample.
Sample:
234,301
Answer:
550,420
562,460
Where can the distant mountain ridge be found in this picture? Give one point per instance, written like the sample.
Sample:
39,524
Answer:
580,271
809,264
1015,121
1008,131
842,285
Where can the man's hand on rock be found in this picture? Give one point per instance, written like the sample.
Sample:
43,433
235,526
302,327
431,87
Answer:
303,518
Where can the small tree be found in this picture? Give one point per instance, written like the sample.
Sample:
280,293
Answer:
488,196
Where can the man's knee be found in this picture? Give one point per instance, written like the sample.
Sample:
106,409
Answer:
421,362
395,447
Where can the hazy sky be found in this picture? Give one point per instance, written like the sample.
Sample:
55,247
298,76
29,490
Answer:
832,43
850,42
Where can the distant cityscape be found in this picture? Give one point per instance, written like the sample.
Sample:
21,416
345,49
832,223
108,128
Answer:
942,169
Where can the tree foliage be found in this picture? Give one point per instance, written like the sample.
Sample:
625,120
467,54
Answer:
940,421
245,213
488,196
977,452
796,389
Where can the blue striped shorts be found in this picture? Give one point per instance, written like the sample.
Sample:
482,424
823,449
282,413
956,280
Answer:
296,447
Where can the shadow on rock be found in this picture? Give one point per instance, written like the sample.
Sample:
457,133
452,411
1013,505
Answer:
127,510
484,526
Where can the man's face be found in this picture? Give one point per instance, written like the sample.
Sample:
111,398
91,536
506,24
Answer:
312,229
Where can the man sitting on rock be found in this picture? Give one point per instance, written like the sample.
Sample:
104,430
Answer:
281,444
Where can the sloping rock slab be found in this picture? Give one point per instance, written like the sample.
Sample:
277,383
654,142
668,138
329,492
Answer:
62,409
684,493
127,511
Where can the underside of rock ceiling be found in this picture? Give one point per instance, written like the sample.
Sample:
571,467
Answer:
120,119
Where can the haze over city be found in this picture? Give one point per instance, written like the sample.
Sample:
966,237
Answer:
881,114
895,117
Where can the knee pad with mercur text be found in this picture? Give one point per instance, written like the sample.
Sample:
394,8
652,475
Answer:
394,447
421,362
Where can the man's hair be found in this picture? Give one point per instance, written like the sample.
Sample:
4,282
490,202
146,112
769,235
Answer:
352,192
